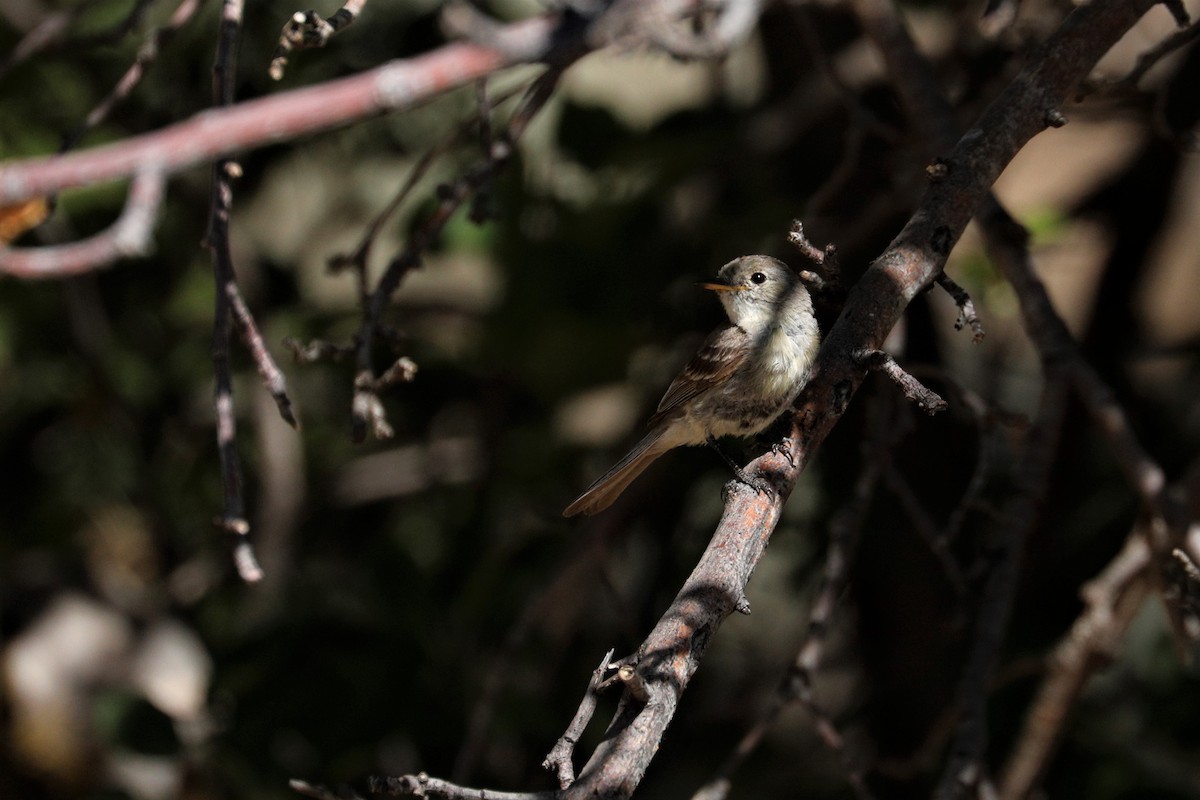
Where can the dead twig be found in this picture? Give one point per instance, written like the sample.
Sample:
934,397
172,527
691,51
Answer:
423,785
367,411
272,377
308,29
828,278
967,316
558,760
879,361
233,520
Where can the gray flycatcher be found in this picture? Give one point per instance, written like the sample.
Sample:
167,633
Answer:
743,377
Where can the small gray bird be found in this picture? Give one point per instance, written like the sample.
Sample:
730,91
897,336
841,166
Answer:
743,377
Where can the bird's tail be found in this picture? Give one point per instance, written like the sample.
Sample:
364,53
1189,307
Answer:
608,487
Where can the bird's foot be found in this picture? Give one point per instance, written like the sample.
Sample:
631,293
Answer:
756,483
783,447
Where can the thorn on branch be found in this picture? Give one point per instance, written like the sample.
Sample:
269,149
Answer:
967,316
879,361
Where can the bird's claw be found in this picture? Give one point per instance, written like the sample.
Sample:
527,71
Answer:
783,447
757,484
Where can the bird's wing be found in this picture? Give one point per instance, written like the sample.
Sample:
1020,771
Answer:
717,359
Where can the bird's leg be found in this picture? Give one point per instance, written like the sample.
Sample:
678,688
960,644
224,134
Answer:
757,484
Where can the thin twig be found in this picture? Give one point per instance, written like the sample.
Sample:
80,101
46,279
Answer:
558,760
829,275
49,35
272,377
1006,241
423,785
928,530
147,54
967,316
562,593
233,520
1148,59
928,109
318,792
308,29
367,411
357,259
880,361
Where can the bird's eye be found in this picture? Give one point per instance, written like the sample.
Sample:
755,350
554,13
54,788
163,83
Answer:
758,277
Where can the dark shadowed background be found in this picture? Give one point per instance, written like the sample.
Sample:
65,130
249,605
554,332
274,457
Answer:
425,606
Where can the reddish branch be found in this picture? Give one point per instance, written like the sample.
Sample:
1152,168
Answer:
221,132
132,234
49,35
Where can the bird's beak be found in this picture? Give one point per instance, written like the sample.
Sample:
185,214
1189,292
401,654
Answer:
721,287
